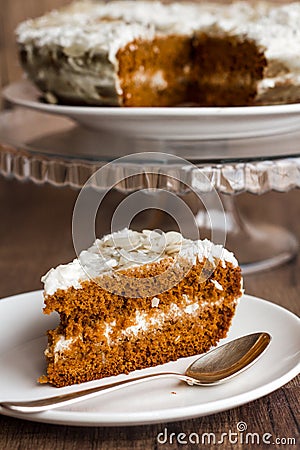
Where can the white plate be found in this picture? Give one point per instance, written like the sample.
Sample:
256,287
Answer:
22,343
168,123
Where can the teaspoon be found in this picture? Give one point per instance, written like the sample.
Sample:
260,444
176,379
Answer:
214,367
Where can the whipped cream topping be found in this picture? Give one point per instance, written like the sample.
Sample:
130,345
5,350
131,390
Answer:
103,28
63,344
155,302
217,284
278,32
144,323
87,21
127,249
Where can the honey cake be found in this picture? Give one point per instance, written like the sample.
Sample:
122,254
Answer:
135,300
141,53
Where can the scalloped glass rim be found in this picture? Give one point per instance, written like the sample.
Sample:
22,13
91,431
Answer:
257,177
168,123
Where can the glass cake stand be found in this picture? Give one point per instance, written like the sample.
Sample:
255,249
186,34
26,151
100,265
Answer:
52,149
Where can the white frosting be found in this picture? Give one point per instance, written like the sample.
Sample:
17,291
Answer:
108,329
86,23
155,302
217,284
268,88
63,344
99,28
83,26
190,309
63,277
142,324
156,79
79,34
127,249
279,33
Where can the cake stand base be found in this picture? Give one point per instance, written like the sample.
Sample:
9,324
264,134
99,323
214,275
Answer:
257,246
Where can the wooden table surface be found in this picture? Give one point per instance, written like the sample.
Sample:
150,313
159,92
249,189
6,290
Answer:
35,234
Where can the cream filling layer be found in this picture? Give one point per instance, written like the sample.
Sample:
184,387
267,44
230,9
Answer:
143,323
289,81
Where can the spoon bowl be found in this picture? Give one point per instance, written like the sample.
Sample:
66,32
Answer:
228,360
216,366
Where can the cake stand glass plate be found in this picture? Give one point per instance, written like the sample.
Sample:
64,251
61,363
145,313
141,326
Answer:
63,153
168,123
22,341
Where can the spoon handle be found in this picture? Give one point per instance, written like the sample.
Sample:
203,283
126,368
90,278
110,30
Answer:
45,404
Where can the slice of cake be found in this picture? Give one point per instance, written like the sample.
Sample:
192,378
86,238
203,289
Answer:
145,53
135,300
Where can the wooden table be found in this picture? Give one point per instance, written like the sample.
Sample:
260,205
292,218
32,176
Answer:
35,234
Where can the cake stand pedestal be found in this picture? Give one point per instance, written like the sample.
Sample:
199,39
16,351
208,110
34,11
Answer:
64,154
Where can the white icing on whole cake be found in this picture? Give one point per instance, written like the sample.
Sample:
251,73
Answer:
217,284
127,249
77,30
87,28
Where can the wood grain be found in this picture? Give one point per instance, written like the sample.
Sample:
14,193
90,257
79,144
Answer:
35,234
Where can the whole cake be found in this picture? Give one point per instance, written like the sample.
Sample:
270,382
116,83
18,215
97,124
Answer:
137,53
135,300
